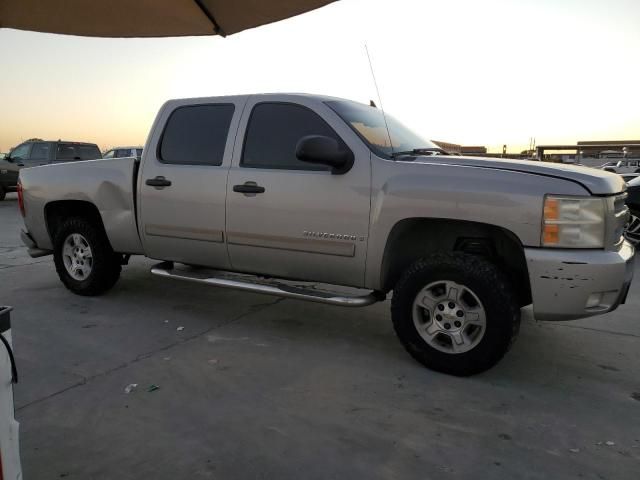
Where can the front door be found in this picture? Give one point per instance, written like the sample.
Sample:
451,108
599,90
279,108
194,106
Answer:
183,182
289,218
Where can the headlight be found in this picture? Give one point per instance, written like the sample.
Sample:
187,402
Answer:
573,222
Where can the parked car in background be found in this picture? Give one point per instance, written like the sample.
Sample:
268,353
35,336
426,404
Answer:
632,231
308,188
33,153
124,152
627,177
8,178
9,444
622,166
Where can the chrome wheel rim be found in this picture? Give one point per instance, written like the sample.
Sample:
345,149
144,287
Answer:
77,257
632,229
449,317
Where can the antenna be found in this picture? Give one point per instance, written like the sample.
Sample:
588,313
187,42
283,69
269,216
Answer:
386,125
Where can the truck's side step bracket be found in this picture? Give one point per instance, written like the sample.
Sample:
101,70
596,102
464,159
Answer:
255,285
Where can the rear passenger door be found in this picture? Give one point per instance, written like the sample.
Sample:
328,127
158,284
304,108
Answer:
183,181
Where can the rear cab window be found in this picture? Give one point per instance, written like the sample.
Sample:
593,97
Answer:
196,135
89,152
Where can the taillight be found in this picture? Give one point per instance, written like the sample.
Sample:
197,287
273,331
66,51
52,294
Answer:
20,205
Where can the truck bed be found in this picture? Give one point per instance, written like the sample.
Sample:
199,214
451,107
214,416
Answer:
109,184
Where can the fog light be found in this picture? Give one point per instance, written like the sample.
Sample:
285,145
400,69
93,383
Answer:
594,300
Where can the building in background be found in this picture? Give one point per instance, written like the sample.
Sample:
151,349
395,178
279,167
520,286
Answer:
608,148
461,149
473,150
449,147
476,151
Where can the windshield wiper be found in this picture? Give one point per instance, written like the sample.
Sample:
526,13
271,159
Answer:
420,151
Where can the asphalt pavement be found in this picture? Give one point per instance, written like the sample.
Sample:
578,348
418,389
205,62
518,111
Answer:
234,385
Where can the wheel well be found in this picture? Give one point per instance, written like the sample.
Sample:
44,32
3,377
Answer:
57,212
411,239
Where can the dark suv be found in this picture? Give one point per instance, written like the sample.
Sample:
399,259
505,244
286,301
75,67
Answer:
35,152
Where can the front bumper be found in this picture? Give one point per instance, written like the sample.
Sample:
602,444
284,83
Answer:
569,284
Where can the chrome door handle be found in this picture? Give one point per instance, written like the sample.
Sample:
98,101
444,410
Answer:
158,182
248,187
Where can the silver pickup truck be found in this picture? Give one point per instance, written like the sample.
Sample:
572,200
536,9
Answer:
282,189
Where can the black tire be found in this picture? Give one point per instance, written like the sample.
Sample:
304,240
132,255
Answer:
106,267
632,229
637,170
491,287
3,194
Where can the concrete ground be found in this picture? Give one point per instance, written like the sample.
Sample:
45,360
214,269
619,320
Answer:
256,387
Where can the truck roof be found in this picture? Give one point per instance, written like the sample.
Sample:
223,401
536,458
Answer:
292,95
60,141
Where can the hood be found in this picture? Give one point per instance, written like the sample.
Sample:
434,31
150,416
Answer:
598,182
8,166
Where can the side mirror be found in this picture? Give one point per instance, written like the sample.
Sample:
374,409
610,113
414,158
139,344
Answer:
325,151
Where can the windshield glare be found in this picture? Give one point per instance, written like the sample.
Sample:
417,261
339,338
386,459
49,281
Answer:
369,123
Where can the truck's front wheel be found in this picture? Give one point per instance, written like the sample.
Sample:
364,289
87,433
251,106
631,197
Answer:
455,313
84,259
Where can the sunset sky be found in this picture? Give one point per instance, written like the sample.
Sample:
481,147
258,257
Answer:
474,72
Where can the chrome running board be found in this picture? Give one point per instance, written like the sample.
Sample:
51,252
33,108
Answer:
226,280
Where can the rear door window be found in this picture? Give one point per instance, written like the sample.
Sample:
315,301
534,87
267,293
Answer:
65,152
196,135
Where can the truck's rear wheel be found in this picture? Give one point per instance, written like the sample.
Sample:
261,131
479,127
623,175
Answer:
85,262
455,313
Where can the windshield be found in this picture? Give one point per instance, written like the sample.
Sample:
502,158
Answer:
369,123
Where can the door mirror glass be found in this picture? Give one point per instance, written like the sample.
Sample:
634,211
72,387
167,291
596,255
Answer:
324,151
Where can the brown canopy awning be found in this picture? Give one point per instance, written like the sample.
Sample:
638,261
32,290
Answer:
148,18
